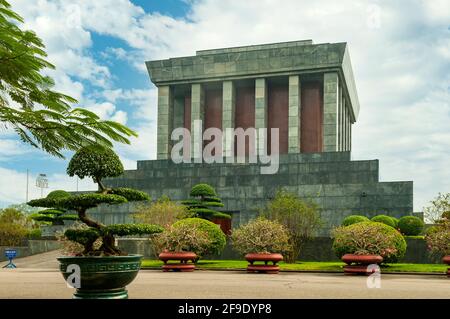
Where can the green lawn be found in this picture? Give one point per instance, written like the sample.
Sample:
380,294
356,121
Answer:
305,266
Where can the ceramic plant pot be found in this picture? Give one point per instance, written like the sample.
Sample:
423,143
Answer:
101,277
359,264
185,261
263,267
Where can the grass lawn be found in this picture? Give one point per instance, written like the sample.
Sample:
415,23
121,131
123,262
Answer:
305,266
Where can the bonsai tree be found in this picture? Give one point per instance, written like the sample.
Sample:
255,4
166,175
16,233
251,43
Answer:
369,238
261,236
54,215
98,163
204,201
301,219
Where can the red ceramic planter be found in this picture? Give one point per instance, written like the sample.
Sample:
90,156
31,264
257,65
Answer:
266,259
446,260
358,264
185,261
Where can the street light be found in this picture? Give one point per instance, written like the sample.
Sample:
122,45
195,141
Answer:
42,182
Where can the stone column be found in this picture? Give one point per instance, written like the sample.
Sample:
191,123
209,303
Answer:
178,112
294,114
197,113
165,115
330,110
261,111
345,125
228,108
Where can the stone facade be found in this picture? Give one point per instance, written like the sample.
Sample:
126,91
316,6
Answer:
340,186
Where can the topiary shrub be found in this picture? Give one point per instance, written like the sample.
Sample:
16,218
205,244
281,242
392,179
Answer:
410,225
58,194
204,202
387,220
353,219
98,163
261,236
217,238
369,238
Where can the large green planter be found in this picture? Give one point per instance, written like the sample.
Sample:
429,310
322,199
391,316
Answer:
102,277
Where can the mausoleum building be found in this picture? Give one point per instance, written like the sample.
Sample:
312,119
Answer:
305,90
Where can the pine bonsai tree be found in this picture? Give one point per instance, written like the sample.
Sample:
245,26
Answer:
54,215
98,163
204,201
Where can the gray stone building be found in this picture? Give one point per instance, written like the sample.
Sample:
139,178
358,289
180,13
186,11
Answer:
305,90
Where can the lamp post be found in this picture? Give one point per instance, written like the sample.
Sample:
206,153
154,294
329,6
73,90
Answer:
42,182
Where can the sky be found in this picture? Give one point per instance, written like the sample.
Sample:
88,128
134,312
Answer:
400,53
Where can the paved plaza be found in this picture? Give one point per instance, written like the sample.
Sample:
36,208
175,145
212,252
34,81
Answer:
38,277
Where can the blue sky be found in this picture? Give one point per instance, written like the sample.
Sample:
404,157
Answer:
401,64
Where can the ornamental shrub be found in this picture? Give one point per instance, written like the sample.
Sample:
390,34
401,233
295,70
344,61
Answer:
261,236
204,203
12,234
353,219
216,236
369,238
184,237
387,220
438,239
410,225
300,218
163,212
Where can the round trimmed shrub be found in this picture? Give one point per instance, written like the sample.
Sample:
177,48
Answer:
215,234
387,220
369,238
353,219
410,225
